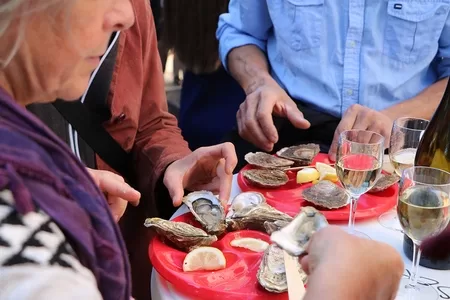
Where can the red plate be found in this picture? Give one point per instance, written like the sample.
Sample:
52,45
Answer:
288,198
237,281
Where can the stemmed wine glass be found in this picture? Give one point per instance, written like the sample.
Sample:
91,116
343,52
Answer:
405,137
423,211
358,164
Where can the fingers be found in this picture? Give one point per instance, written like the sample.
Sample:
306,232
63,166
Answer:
249,127
173,180
263,115
348,119
225,183
117,206
304,261
295,116
114,185
224,151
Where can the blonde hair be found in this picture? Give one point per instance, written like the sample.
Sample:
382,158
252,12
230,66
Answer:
15,12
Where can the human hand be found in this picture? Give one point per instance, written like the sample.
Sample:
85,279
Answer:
254,117
117,192
359,117
336,259
207,168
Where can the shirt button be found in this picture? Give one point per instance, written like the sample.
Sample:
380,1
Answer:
349,92
352,44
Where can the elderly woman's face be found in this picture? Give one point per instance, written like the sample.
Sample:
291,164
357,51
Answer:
61,49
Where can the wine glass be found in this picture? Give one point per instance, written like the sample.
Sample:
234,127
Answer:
423,211
405,137
358,164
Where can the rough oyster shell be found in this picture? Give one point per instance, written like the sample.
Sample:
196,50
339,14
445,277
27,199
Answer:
250,211
207,210
293,237
326,194
384,182
266,178
272,272
302,155
267,161
271,227
182,235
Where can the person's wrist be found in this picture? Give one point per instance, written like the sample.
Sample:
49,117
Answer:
262,79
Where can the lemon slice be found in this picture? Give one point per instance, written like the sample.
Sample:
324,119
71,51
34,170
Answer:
307,175
251,244
204,259
326,172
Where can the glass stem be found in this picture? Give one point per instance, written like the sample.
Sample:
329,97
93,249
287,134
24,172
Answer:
351,220
415,266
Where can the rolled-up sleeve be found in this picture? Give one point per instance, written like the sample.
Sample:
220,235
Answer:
246,23
443,54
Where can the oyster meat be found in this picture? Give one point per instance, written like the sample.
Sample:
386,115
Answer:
302,155
272,273
293,237
250,214
266,178
267,161
326,194
384,182
181,235
207,210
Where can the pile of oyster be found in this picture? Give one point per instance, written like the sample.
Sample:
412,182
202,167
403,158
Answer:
269,170
248,210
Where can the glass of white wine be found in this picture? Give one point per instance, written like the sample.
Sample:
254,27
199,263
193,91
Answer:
358,164
423,211
405,138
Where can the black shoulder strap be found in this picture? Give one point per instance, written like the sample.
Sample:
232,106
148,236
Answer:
87,121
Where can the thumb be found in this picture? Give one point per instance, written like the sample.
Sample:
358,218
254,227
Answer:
174,185
295,116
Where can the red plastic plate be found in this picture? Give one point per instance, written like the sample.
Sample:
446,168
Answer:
237,281
288,198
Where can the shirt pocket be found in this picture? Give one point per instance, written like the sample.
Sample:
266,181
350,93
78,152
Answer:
298,22
413,29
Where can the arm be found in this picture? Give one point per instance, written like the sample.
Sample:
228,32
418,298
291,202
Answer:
421,106
242,40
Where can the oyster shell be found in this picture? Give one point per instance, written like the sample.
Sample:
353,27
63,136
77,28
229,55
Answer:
384,182
249,214
267,161
271,227
207,210
302,155
293,237
326,194
182,235
266,178
272,272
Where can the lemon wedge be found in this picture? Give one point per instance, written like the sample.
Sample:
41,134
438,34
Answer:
307,175
326,172
204,259
251,244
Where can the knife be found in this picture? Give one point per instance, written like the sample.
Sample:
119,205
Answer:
296,288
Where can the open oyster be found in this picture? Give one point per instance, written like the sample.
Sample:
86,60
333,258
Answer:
272,272
182,235
208,210
302,155
267,161
271,227
266,178
293,237
384,182
326,194
246,213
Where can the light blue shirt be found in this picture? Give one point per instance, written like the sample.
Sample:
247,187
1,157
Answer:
335,53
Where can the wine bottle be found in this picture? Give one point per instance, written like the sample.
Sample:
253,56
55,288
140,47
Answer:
434,151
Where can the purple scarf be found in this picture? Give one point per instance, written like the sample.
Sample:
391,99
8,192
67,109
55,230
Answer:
40,170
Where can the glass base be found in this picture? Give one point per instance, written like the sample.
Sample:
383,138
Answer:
389,220
357,233
419,292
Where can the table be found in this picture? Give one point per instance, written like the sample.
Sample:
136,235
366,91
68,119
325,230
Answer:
162,290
